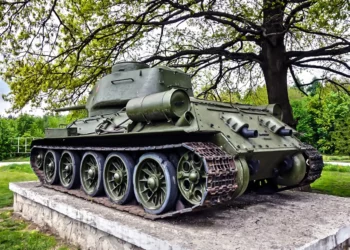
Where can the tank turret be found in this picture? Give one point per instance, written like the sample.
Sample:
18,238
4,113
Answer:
132,80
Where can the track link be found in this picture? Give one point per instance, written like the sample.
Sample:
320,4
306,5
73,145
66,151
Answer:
220,168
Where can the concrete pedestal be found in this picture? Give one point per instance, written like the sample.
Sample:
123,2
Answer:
288,220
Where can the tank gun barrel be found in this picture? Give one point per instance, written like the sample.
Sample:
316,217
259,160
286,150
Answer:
78,107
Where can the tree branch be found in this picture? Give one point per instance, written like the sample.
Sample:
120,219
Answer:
294,11
319,33
321,67
326,59
299,86
325,51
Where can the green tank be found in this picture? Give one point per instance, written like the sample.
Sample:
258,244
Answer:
148,147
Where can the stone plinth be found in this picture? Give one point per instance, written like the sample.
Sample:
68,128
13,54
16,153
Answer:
288,220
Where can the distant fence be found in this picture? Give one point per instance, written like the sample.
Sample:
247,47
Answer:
21,145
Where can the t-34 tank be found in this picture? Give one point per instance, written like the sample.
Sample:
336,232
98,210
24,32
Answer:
149,142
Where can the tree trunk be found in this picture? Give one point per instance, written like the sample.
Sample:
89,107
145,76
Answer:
273,63
275,73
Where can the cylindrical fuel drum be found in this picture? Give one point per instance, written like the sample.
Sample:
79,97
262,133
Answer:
160,106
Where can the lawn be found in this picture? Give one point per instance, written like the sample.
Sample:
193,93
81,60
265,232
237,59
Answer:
334,183
15,233
13,173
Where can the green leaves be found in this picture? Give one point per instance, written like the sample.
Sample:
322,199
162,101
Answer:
55,51
30,127
323,120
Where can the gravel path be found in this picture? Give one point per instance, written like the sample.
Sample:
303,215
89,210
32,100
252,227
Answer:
338,163
10,163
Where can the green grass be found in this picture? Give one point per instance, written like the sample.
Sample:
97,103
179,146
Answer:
17,159
16,234
336,168
13,173
334,183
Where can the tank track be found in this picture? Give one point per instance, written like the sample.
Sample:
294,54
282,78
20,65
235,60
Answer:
220,168
315,163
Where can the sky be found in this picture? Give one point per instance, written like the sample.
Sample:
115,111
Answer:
4,89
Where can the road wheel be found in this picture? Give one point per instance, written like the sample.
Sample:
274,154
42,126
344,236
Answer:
155,183
118,177
192,177
91,171
69,170
51,161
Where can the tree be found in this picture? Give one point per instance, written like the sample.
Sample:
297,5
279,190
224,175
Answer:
341,136
7,133
323,119
56,51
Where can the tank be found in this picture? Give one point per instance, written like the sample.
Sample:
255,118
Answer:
148,147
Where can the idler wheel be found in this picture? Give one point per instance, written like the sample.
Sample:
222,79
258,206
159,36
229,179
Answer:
192,177
118,178
154,183
69,170
38,158
51,161
91,170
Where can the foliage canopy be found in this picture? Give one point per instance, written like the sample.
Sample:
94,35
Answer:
54,51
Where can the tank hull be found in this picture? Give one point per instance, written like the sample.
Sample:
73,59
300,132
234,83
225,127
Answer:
173,154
